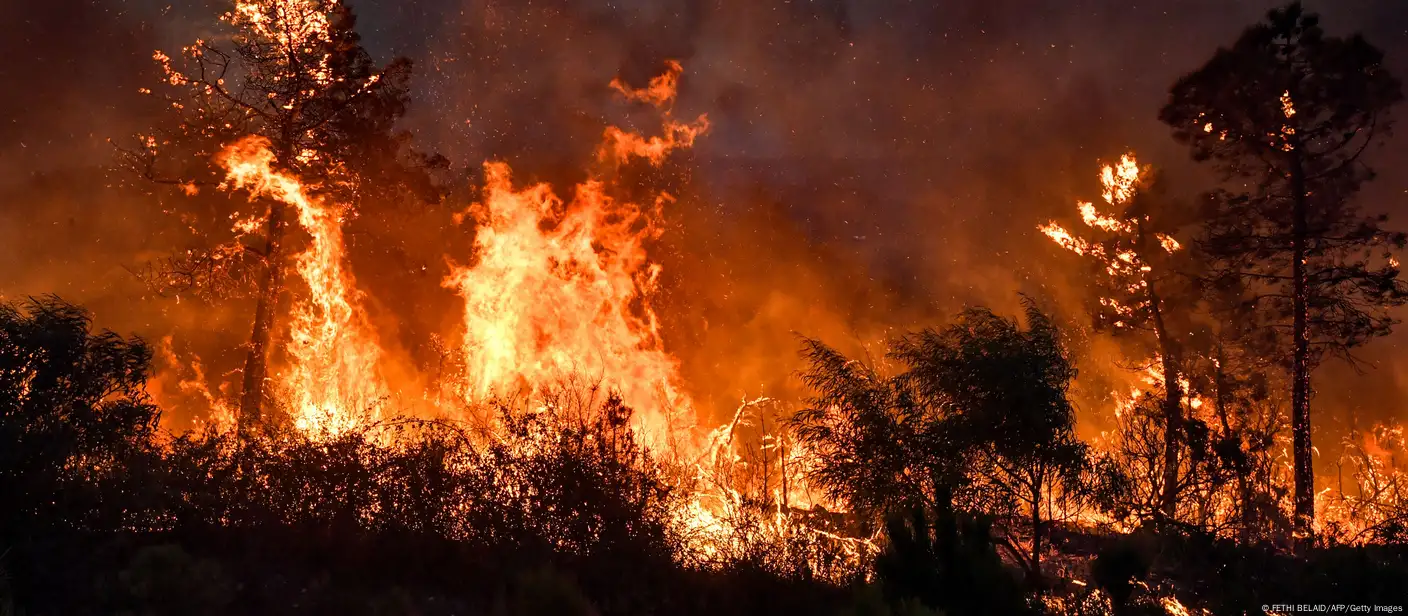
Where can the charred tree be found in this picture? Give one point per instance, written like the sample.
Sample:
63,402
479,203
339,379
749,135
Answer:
1286,114
295,73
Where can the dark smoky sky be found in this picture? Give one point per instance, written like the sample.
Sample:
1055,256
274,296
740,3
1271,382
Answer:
878,155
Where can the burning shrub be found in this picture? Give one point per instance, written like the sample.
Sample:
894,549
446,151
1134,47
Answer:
581,480
567,480
1227,477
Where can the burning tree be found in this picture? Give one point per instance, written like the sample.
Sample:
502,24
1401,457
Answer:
1131,255
294,73
1288,112
333,380
1242,475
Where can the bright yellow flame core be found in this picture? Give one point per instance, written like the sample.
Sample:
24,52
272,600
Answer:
540,306
1121,180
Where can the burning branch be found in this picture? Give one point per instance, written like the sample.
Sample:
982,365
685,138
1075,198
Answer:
1130,296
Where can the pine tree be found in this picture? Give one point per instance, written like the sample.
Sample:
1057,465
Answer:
295,73
1286,114
1130,250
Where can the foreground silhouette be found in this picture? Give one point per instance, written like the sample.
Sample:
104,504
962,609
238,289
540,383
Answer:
565,514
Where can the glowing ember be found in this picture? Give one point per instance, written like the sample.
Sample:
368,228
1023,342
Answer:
293,25
1176,608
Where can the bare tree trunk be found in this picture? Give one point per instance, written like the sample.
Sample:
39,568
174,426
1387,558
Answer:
256,363
1173,413
1034,478
1173,400
1300,360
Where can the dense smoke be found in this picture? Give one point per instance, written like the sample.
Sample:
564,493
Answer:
871,166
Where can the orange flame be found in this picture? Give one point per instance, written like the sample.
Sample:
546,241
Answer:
1120,181
661,91
1125,267
560,288
333,381
170,385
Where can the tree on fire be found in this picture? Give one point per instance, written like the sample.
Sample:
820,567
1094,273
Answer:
1287,113
1141,295
295,73
981,410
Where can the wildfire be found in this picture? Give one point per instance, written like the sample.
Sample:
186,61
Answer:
560,287
1373,485
718,508
294,25
661,91
1174,607
1120,181
1153,376
1061,236
333,379
1123,263
1288,109
173,382
619,146
558,291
